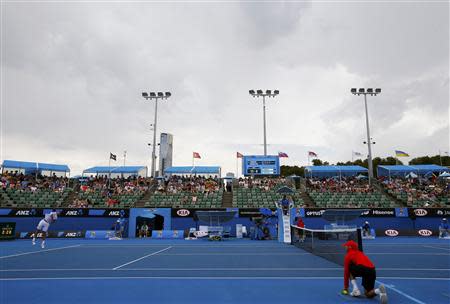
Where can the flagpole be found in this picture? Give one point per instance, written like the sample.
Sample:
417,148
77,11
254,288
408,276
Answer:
237,172
440,158
352,155
109,167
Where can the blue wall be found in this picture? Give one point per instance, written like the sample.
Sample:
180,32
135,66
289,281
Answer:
27,224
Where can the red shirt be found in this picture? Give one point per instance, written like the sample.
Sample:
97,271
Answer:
300,223
355,257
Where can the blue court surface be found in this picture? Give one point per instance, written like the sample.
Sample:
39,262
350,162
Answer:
414,270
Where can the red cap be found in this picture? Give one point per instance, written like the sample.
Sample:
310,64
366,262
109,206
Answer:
351,244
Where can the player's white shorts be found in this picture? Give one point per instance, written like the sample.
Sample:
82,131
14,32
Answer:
43,226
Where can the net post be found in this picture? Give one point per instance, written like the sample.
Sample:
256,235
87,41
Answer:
359,237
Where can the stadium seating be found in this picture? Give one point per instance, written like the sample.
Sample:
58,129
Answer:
257,198
38,199
97,199
330,199
185,200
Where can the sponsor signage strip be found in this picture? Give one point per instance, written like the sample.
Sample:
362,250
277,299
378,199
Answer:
67,234
64,212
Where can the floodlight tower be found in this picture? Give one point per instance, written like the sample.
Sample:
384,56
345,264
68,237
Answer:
260,93
366,92
155,96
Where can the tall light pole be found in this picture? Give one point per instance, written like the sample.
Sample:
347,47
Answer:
366,92
155,96
260,93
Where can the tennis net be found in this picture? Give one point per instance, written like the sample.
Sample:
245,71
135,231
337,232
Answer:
325,243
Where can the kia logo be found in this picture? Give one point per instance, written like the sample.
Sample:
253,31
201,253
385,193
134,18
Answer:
425,232
420,212
183,212
391,232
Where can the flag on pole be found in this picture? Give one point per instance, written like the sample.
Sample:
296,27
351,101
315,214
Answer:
112,156
357,154
196,155
399,153
312,154
282,154
239,155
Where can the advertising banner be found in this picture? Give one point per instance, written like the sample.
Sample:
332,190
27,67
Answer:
63,212
68,234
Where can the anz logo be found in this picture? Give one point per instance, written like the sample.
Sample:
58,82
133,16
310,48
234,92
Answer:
71,234
72,213
114,213
23,212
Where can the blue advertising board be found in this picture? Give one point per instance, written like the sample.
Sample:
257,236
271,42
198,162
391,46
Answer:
260,165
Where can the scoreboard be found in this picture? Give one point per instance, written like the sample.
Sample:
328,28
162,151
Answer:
7,231
261,165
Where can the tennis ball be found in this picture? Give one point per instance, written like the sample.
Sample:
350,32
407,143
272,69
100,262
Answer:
344,292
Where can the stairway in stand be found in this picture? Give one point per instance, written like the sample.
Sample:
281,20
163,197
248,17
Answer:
227,199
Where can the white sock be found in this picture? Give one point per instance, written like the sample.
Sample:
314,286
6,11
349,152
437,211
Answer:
355,286
377,291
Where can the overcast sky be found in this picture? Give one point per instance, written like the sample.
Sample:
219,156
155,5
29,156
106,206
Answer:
73,73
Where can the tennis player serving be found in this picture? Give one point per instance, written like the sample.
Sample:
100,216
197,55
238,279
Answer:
357,264
43,226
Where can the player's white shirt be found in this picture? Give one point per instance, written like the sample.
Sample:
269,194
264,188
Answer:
45,222
51,217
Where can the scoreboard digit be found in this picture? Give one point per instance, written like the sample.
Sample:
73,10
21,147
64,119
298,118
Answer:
7,231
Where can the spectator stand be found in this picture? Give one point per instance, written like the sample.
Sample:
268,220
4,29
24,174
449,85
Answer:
417,185
261,192
189,187
343,187
117,187
31,184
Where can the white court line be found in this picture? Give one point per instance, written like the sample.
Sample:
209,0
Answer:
296,253
402,293
234,253
218,269
187,246
145,256
38,251
448,249
211,278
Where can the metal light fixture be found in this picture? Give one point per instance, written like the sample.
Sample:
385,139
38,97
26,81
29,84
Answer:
260,93
155,96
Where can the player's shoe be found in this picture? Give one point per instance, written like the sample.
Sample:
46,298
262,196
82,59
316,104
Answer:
383,294
43,245
33,241
355,293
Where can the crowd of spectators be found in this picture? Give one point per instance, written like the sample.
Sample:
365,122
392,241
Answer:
265,183
114,186
80,203
32,183
189,184
427,190
340,185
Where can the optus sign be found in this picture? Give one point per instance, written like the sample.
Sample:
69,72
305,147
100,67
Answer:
391,232
425,232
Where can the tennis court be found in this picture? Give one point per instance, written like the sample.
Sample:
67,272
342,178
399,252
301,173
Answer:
414,270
